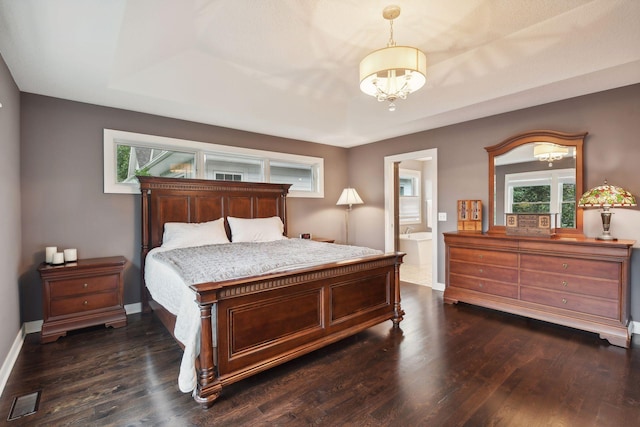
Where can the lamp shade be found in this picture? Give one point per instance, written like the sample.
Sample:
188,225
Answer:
393,71
607,196
349,197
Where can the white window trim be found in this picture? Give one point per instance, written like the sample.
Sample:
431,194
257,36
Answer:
553,178
114,137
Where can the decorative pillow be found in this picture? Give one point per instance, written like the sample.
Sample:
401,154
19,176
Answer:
184,235
256,229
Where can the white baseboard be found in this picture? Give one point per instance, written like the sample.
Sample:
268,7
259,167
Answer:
133,308
11,358
36,325
32,327
438,287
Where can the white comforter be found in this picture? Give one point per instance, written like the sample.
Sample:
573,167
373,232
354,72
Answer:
169,272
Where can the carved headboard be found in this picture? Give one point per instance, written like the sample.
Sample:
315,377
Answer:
198,200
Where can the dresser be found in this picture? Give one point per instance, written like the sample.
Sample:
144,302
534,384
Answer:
577,282
80,294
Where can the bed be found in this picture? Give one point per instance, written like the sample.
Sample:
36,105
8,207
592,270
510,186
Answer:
250,324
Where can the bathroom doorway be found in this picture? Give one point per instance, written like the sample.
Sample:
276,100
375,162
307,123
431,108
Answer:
411,214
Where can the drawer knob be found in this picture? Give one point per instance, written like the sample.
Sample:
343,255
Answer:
564,300
85,286
481,271
85,302
480,285
480,256
564,283
565,265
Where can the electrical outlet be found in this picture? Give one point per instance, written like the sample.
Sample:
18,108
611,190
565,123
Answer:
442,216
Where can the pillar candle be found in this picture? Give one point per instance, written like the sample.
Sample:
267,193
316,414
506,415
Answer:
57,258
70,255
49,251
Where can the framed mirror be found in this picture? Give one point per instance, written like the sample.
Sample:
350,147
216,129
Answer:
539,171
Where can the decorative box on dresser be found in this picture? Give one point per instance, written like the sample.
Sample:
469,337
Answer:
80,294
572,281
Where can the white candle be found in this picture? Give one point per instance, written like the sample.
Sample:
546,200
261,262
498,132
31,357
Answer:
49,251
58,258
70,255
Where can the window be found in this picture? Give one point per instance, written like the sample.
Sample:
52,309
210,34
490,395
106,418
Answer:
537,192
128,154
410,197
135,160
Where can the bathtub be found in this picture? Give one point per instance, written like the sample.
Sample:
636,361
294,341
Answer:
417,246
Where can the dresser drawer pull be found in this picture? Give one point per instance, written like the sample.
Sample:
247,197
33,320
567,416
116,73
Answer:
480,256
85,302
564,283
481,271
565,265
564,300
479,285
85,286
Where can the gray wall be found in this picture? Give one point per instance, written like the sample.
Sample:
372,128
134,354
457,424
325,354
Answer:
10,240
63,203
611,151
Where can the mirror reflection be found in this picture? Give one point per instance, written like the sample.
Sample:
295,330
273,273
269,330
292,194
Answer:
538,177
537,172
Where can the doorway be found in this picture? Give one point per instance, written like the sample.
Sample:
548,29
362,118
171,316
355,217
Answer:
418,233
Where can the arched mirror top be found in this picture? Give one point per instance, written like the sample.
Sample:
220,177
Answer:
535,172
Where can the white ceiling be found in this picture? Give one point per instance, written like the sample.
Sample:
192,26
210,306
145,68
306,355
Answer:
289,68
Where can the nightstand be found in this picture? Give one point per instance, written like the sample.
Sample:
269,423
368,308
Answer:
85,293
323,239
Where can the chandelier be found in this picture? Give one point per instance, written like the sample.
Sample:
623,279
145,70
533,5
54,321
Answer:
394,71
548,152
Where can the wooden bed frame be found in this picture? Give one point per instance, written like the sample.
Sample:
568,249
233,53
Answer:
266,320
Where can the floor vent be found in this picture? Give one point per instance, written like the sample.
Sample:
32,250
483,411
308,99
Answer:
24,405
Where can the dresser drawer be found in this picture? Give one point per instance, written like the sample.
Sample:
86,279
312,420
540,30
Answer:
573,266
79,304
568,283
507,259
70,287
509,275
568,301
483,285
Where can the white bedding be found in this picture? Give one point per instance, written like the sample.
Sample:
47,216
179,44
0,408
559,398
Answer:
167,286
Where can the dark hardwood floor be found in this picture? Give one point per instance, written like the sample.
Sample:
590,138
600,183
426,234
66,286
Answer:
447,366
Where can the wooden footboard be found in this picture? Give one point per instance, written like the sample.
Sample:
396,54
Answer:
267,321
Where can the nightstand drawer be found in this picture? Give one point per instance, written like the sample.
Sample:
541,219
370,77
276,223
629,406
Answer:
73,305
83,285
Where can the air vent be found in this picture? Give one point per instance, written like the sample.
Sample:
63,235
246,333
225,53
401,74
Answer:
24,405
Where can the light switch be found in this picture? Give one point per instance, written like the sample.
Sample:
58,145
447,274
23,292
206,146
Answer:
442,216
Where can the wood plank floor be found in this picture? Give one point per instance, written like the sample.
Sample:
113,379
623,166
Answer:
447,366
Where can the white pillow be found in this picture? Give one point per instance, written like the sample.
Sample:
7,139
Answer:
256,229
184,235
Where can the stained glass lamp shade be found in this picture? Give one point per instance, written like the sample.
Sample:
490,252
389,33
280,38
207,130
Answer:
606,196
